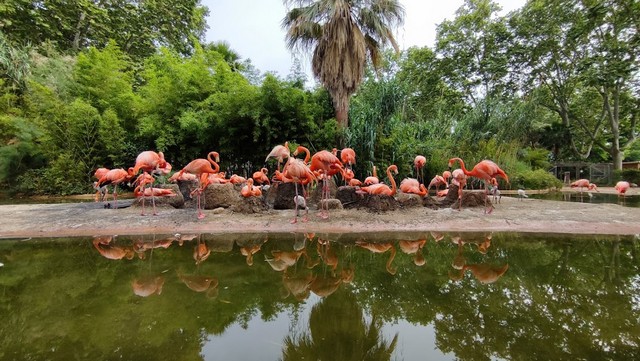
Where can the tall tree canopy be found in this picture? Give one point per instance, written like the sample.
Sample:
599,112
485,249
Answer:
137,26
343,35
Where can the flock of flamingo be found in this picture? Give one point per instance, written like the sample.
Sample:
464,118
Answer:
313,169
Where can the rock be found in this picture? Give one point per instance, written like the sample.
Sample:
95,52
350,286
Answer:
282,195
409,200
220,195
331,203
378,203
348,197
250,205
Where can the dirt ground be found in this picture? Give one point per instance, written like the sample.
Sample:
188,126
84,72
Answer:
510,215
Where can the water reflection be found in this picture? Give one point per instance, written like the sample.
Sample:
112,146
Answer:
320,296
626,200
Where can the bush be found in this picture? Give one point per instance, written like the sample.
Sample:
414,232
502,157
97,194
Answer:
535,179
629,175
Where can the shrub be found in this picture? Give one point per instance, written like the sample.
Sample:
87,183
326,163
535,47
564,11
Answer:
534,179
629,175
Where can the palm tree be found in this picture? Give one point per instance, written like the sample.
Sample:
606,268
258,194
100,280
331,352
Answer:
343,35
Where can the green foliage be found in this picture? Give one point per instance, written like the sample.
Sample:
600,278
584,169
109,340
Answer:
534,179
535,158
103,78
19,150
629,175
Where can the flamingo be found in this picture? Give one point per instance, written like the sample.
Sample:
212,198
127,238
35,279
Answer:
328,165
101,192
115,177
348,157
438,181
419,162
459,180
381,188
622,187
373,179
261,177
249,190
411,185
151,162
199,167
484,170
142,180
584,183
297,171
280,152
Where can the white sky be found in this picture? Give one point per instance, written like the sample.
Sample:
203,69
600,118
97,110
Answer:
252,28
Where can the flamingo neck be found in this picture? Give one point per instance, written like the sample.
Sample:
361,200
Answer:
211,159
464,169
393,181
307,155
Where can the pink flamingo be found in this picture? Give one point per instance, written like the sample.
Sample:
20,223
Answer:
381,188
297,171
484,170
411,185
327,164
199,167
348,157
280,152
115,177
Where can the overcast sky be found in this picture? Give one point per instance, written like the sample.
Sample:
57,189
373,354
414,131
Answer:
252,28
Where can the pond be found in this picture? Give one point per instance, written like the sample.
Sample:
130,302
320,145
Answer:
429,296
627,201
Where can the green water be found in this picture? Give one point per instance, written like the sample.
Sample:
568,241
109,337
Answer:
325,297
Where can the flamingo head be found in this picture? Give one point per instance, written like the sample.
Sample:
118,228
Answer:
216,156
393,168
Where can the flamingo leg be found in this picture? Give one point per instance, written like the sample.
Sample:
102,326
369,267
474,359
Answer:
115,195
295,200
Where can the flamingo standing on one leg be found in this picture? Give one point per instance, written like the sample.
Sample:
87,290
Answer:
327,164
199,167
418,163
485,170
115,177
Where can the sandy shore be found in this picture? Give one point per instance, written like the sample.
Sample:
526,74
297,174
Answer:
511,215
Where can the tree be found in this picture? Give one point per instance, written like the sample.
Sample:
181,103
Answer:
137,26
581,60
343,35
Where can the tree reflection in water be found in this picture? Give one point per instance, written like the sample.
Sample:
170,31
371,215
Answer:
560,297
338,331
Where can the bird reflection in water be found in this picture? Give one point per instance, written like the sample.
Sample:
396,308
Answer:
250,247
483,272
414,248
200,284
146,286
201,251
107,248
381,247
